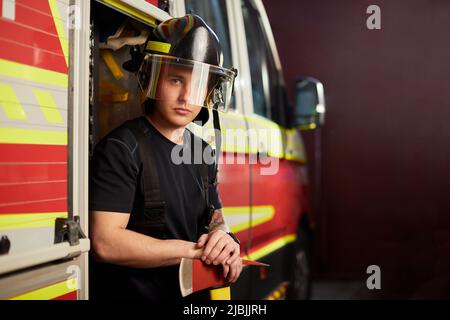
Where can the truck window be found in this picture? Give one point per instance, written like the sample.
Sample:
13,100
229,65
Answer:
214,12
264,75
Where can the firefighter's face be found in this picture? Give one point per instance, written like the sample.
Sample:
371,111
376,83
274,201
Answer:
174,91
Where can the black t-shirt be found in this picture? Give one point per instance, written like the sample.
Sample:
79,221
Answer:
116,185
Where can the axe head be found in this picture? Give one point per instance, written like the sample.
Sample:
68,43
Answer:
194,275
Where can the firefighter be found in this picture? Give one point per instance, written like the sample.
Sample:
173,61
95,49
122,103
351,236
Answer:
148,209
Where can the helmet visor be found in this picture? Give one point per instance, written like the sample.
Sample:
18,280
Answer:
186,81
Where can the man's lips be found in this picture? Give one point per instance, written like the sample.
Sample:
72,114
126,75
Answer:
182,111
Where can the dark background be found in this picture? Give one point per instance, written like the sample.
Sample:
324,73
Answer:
385,181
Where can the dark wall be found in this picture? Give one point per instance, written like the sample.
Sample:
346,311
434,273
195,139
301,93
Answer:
386,143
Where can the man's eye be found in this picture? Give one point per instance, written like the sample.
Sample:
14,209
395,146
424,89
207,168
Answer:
175,81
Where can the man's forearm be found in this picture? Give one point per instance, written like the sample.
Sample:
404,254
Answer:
129,248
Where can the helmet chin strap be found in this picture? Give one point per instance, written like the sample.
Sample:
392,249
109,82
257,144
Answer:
217,137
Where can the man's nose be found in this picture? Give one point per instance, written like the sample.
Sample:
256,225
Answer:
185,93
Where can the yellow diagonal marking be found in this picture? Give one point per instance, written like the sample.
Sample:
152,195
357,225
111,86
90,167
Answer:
11,104
60,29
48,106
50,292
29,73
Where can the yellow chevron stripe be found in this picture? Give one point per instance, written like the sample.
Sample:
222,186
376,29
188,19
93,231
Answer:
11,104
48,106
60,29
264,213
25,136
29,73
271,247
29,220
49,292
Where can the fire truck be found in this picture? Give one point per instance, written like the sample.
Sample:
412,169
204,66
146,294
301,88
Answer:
62,88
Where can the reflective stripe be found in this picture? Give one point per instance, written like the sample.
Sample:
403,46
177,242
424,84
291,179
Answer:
237,218
11,105
29,220
158,46
271,247
220,294
256,119
310,126
279,293
133,11
269,136
294,157
294,149
50,292
48,106
111,64
9,135
25,72
60,29
235,137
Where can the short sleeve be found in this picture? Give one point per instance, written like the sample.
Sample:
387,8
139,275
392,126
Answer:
113,176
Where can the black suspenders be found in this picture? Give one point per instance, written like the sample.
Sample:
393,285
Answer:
153,221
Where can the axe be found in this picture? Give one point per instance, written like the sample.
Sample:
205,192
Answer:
194,275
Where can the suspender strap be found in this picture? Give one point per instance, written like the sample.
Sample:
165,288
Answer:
218,139
153,221
204,171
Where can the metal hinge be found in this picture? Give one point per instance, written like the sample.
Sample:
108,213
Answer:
68,230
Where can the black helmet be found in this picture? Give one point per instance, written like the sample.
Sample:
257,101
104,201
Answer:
190,43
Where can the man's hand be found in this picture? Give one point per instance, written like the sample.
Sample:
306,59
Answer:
220,248
233,271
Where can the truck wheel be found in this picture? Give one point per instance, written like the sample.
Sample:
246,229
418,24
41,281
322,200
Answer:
300,279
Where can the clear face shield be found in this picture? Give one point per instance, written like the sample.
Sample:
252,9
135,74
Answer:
185,81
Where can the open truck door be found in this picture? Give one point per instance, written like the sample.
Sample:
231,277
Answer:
49,120
43,172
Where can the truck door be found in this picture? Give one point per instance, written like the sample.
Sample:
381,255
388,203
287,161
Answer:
38,259
276,193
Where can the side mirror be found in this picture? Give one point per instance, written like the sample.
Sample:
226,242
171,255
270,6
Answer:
309,110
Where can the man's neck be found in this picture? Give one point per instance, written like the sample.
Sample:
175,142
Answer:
173,133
